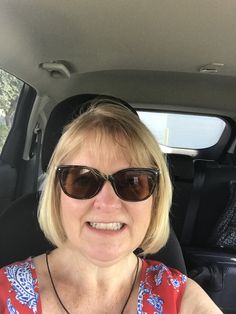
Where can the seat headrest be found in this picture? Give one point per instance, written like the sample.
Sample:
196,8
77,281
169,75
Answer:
64,113
181,166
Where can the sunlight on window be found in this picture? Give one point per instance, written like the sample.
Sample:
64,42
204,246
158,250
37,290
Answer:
183,130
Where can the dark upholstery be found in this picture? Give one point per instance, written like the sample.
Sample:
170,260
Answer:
214,197
215,271
20,235
208,262
182,173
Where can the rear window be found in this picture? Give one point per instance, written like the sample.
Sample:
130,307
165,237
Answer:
183,130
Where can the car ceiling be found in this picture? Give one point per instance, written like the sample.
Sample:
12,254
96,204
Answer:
145,51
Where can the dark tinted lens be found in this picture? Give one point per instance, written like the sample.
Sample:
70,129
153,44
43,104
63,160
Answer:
135,185
79,182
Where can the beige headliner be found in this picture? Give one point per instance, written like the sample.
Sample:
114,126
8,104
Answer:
101,38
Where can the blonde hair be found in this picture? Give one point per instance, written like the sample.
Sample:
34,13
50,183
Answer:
123,128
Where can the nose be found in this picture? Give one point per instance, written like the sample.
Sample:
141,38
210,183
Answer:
107,197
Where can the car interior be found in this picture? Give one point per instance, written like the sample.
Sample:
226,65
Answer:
169,60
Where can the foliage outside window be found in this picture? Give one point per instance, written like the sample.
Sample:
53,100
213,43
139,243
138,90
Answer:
10,88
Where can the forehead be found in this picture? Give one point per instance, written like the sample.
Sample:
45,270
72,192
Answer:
99,151
105,148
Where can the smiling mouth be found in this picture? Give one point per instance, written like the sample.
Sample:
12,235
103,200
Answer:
107,226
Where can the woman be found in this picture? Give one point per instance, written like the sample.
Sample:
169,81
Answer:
107,193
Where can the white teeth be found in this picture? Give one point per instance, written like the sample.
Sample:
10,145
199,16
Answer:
106,226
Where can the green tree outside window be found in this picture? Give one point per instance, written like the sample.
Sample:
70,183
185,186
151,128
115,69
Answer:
10,88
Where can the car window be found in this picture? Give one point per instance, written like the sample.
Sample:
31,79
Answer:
10,88
184,130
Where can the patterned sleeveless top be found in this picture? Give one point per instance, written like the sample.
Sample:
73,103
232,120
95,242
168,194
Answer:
160,289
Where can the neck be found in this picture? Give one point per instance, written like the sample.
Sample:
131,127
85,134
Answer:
96,276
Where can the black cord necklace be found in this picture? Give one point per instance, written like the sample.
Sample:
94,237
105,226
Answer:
63,306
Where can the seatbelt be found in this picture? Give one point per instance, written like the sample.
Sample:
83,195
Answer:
193,206
35,151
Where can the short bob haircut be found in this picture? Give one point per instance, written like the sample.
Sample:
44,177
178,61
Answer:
114,124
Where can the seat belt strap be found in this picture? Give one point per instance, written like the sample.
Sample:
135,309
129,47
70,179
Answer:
193,206
35,153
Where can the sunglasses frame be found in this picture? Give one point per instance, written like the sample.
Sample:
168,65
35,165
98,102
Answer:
110,178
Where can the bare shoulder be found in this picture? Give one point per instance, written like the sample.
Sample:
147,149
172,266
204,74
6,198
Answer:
196,301
39,262
41,270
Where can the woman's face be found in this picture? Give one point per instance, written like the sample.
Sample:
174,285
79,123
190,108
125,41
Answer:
86,221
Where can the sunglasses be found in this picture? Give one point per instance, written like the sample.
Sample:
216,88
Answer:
131,184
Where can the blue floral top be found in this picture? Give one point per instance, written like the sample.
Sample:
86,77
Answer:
160,289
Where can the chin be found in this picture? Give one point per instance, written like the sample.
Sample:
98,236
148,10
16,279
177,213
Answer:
107,257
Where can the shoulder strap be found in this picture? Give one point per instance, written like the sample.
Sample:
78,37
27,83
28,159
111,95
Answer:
193,206
35,153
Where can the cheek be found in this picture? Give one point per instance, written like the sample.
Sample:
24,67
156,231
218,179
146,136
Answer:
142,215
72,212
